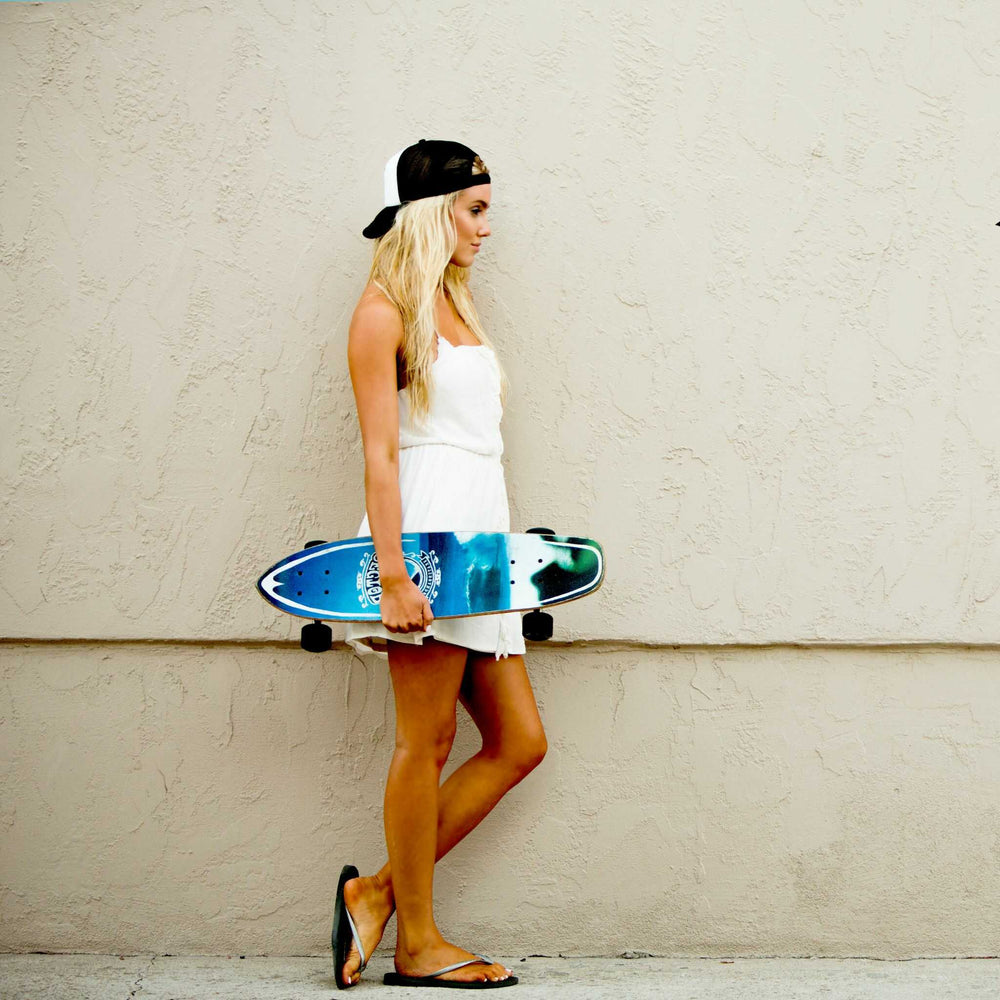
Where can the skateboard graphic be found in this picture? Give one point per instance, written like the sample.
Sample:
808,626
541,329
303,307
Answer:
460,573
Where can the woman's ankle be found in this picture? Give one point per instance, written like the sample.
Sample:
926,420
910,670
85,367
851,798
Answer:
416,943
381,881
379,887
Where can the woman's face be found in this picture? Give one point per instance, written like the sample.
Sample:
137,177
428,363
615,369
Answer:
471,225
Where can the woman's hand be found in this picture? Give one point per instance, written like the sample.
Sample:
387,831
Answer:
404,608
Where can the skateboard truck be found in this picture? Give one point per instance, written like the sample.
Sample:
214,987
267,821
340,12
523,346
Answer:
536,626
316,637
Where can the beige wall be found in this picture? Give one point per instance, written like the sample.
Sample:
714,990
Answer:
744,279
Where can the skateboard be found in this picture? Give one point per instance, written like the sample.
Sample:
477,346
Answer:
460,573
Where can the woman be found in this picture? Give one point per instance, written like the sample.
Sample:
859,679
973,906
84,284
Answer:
428,388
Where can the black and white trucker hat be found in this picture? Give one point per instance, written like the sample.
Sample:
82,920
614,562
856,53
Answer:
423,170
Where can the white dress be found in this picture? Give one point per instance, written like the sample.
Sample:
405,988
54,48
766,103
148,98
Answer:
451,479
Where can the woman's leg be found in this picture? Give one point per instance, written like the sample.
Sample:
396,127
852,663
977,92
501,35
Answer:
498,697
426,682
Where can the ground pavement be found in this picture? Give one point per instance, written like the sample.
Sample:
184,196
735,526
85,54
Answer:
137,977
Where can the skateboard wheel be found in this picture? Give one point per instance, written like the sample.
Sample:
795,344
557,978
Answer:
318,541
540,531
316,637
536,626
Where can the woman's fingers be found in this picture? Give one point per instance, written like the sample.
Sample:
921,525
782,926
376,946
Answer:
408,612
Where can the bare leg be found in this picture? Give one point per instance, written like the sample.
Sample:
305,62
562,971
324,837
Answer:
426,683
498,697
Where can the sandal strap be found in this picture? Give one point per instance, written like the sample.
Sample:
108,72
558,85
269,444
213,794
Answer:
357,940
458,965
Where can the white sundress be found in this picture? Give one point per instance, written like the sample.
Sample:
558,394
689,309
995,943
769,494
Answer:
451,479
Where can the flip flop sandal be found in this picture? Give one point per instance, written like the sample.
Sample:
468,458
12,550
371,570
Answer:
398,979
344,931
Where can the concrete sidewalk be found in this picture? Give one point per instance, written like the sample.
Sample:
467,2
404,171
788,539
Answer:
102,977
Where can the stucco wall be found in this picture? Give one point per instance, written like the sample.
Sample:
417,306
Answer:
744,281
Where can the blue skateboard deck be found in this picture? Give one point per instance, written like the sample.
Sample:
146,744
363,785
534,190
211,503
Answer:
460,573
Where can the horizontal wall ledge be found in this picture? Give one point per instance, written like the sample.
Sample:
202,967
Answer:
595,645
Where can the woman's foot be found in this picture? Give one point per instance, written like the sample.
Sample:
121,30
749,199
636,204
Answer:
370,904
440,956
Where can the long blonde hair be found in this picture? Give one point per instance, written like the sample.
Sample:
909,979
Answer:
411,265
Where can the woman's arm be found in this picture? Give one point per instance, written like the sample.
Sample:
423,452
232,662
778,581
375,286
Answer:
375,337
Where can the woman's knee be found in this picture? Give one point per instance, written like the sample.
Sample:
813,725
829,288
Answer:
433,743
523,754
535,750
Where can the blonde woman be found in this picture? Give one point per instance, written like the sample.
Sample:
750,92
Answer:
429,391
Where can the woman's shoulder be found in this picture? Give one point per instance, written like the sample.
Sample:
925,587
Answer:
374,302
376,317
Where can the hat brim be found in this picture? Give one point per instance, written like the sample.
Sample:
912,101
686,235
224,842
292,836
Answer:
382,223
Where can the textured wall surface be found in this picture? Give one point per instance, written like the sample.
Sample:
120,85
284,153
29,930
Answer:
695,802
743,274
744,278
